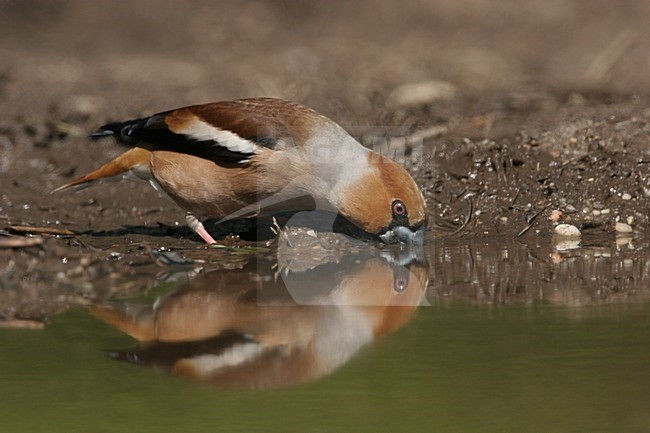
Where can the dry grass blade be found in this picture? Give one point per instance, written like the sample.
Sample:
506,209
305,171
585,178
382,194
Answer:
237,249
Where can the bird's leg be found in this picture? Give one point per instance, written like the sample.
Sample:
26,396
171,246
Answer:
198,228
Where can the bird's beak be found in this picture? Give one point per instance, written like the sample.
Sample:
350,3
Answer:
404,235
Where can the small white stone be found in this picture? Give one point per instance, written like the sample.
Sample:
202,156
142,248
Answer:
623,228
567,231
596,212
626,196
630,220
422,92
604,212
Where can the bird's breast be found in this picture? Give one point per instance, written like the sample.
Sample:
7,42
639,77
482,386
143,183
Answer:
208,189
203,187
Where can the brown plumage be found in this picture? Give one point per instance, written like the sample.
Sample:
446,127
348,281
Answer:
247,157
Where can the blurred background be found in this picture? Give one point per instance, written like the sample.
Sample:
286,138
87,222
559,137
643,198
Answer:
338,56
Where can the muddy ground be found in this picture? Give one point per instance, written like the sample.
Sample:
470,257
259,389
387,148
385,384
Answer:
505,113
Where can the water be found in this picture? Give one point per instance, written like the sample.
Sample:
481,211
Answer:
503,338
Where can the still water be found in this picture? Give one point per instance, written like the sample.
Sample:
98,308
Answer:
465,336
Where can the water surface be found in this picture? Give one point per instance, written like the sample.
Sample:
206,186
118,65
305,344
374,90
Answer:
503,338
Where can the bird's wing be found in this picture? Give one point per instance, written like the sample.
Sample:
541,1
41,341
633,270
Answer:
224,132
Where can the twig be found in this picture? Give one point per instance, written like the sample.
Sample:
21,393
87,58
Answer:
22,324
532,221
514,199
19,242
470,210
23,230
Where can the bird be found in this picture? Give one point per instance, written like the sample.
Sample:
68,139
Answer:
259,156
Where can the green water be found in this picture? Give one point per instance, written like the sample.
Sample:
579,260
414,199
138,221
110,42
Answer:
453,368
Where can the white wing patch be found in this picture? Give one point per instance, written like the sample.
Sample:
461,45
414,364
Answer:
233,356
202,131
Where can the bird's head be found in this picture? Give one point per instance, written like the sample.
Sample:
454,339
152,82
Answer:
385,201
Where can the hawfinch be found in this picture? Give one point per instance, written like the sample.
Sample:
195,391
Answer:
247,157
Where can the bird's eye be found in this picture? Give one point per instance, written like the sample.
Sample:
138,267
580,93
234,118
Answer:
399,208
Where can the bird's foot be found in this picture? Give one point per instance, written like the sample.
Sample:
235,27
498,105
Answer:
196,226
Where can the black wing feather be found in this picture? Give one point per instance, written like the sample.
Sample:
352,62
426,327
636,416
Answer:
152,133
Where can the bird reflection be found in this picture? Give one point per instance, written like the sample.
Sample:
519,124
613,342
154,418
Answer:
262,327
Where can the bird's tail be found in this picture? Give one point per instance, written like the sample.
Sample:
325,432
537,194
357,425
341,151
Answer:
121,131
138,322
107,130
136,161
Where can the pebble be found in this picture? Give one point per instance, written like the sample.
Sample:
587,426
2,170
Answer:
556,215
567,231
623,228
626,196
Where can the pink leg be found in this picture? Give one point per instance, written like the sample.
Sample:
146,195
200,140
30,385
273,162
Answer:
198,228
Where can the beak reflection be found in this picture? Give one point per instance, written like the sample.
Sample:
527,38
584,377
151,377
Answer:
404,235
